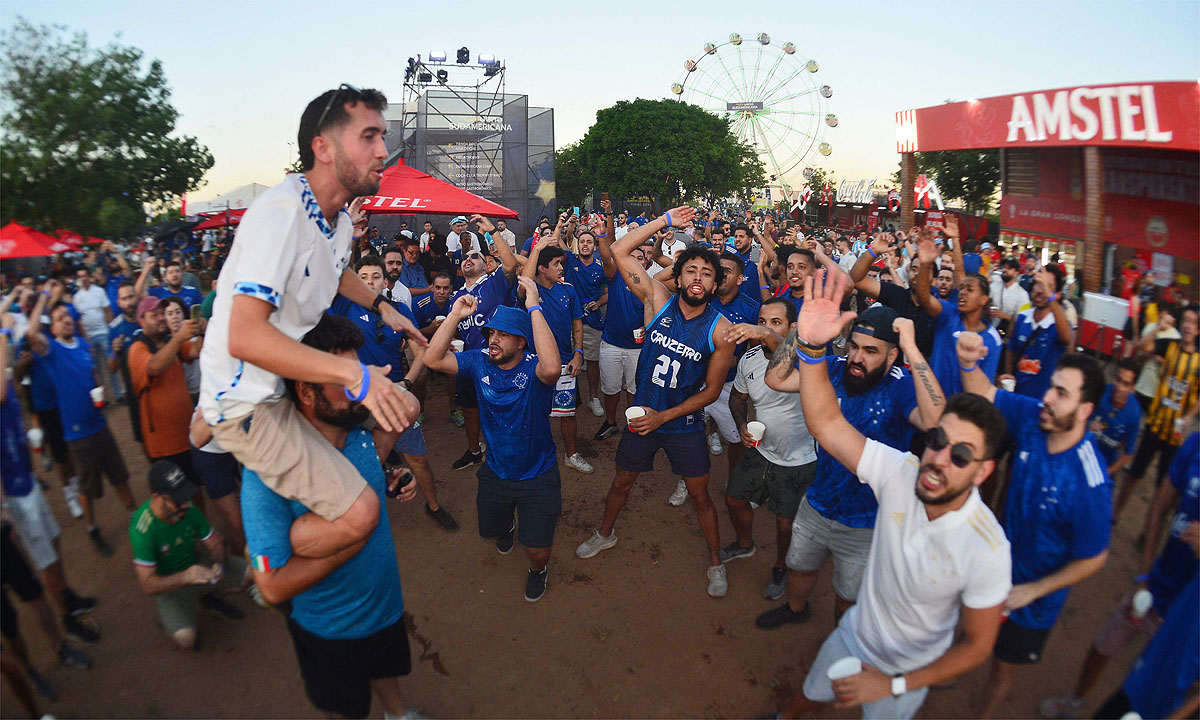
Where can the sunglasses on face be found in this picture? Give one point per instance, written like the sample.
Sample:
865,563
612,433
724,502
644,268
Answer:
329,104
961,454
475,256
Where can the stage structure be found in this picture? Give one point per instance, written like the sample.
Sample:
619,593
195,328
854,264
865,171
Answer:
456,122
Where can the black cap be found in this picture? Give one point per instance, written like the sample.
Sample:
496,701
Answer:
877,321
167,479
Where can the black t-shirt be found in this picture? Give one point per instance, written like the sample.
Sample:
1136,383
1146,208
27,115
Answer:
433,265
900,300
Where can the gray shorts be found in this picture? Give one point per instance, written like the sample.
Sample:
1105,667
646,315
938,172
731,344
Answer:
815,538
781,487
819,688
591,343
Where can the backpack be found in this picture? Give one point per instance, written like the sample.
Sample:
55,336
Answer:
134,400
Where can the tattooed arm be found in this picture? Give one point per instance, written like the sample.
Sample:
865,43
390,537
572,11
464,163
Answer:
645,288
781,372
930,399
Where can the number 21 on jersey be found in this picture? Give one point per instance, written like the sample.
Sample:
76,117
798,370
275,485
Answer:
665,365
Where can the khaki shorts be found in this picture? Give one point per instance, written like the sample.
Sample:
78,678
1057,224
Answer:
292,458
591,343
177,609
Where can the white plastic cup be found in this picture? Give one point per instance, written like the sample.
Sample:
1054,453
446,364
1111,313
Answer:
756,430
36,438
440,318
844,668
1140,605
632,413
639,335
456,345
97,394
1009,384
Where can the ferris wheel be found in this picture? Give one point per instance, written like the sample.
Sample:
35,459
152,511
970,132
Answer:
769,94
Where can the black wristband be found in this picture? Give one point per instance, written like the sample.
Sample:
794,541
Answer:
378,300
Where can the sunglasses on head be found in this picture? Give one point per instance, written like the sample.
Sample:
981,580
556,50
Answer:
961,454
329,104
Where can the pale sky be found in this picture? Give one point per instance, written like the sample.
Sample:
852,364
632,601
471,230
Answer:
242,72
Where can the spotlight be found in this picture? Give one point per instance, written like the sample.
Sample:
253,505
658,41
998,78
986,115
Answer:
425,76
464,55
492,70
442,76
437,56
486,59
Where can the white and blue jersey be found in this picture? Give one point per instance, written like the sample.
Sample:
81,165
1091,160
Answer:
426,310
589,284
944,360
490,292
625,314
1118,428
1176,566
363,595
742,309
560,307
70,370
881,414
190,295
674,362
1059,507
514,413
1036,349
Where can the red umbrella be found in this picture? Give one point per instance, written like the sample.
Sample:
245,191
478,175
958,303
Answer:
55,245
19,241
405,191
221,219
76,240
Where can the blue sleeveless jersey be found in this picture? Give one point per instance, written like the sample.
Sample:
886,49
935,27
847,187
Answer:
625,314
674,362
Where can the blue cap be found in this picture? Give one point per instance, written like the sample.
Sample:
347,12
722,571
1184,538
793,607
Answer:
512,321
458,219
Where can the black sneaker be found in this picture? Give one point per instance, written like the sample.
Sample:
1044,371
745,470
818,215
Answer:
71,657
772,619
606,431
42,685
78,604
504,543
79,632
220,608
733,551
101,544
468,459
445,519
535,586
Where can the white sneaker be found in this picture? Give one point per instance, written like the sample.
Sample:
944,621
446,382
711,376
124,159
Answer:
680,495
714,444
593,545
72,499
718,583
576,461
595,407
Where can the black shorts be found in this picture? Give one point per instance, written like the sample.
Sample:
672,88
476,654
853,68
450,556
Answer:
52,434
1019,645
1151,445
537,502
337,673
15,574
464,392
687,452
217,472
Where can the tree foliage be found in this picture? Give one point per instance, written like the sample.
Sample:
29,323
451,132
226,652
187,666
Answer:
970,177
569,184
87,135
665,150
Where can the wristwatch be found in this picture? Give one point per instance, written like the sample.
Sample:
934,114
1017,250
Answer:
899,685
813,351
406,383
378,299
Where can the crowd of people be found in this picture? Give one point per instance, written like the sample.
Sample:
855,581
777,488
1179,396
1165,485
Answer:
908,405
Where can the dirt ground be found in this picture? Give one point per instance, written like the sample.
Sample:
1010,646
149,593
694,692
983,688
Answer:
629,633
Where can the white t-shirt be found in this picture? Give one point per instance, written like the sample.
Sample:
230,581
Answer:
919,571
399,293
91,304
787,440
455,242
619,232
509,237
847,261
673,247
1011,299
286,254
424,242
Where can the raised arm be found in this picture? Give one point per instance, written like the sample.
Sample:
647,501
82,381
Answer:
548,367
881,245
951,231
927,254
644,287
148,265
930,398
971,351
508,261
604,238
38,341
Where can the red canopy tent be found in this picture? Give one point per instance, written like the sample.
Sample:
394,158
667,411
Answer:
405,191
19,241
221,219
73,238
56,245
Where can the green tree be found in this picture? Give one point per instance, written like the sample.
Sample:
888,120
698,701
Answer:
569,185
665,150
971,177
87,135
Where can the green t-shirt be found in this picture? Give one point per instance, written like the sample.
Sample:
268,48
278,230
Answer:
168,548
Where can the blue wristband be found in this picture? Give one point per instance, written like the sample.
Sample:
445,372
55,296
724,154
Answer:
1141,578
968,369
667,215
366,385
578,351
535,307
873,253
809,360
765,287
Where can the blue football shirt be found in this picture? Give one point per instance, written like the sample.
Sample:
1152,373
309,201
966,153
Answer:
1036,350
381,344
743,308
944,359
588,280
1161,678
426,310
674,362
187,293
1176,566
16,469
491,293
70,370
514,412
1118,428
560,307
625,314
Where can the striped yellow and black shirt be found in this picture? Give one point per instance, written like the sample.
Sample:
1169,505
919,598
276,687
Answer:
1178,387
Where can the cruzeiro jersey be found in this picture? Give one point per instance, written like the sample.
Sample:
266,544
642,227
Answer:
674,361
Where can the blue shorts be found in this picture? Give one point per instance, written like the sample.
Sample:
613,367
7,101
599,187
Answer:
537,503
410,442
464,393
217,472
687,452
